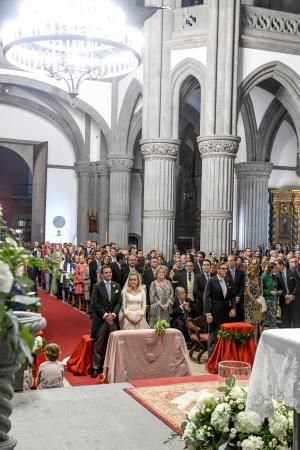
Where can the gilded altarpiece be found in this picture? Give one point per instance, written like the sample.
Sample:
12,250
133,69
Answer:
285,216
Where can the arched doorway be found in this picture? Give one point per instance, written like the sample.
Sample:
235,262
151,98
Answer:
188,180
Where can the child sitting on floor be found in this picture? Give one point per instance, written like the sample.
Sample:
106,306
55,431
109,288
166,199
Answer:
51,372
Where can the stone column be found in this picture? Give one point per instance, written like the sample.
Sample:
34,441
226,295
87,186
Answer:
83,173
159,187
217,153
252,203
120,167
102,200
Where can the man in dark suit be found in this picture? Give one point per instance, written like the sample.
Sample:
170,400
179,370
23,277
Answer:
203,279
236,279
198,263
190,282
286,285
219,305
130,267
93,268
116,268
106,301
149,276
180,312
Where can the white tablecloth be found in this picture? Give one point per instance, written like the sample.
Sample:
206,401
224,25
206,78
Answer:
276,371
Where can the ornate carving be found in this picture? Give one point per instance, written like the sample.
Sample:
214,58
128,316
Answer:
285,216
168,148
82,168
253,169
93,223
102,168
119,163
216,214
218,144
275,22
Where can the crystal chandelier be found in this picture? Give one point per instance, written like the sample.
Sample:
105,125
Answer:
72,40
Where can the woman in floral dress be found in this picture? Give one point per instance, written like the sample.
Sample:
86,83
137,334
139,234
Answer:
161,297
253,289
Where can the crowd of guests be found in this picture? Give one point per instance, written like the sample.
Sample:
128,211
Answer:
260,287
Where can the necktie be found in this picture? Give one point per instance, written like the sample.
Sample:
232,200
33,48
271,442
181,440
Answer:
108,289
223,286
285,281
233,274
190,276
207,276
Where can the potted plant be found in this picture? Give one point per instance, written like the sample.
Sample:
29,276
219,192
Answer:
17,328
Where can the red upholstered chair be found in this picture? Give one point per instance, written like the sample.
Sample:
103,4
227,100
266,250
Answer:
199,339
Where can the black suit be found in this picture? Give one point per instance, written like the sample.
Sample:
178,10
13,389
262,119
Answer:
182,278
125,272
116,272
178,317
197,267
286,309
219,306
93,266
294,285
102,304
148,278
202,280
237,290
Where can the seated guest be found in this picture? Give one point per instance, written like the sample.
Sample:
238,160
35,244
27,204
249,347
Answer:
161,297
106,305
133,311
179,312
51,372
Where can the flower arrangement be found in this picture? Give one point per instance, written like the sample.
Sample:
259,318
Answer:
239,338
160,327
216,422
15,288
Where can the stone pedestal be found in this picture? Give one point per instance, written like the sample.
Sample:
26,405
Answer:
159,187
102,200
252,203
217,153
83,173
120,167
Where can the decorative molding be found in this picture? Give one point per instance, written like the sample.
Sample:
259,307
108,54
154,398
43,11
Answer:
158,214
102,168
253,169
57,166
82,168
218,145
291,168
160,148
216,214
120,162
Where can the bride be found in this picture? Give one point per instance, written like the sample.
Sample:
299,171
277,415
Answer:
132,314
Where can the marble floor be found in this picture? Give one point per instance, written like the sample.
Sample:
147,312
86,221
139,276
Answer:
86,418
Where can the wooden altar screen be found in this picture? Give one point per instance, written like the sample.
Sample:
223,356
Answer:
285,216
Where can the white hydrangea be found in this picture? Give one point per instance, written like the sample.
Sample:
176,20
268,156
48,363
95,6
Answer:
220,417
248,422
206,401
291,420
278,425
6,278
193,413
252,443
190,427
238,393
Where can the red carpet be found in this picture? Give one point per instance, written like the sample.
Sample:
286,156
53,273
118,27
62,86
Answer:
65,326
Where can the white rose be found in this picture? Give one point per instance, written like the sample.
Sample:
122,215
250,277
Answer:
248,422
190,427
6,278
252,443
220,417
205,400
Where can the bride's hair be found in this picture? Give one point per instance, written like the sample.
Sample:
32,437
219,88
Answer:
136,274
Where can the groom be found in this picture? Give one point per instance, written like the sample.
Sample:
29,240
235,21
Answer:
106,304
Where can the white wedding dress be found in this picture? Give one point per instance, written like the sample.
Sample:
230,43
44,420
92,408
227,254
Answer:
133,306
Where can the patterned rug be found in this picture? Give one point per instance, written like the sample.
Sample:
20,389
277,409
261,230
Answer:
158,400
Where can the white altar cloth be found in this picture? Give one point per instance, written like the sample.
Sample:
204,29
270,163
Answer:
276,371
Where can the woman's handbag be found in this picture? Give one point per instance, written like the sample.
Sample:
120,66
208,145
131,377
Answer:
263,304
257,313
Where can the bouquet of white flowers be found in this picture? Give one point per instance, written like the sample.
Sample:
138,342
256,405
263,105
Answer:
222,421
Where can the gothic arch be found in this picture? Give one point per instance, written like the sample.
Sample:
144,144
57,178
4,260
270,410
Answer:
289,95
133,93
135,128
186,68
53,91
70,128
250,127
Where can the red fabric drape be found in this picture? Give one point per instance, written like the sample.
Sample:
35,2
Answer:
80,362
228,350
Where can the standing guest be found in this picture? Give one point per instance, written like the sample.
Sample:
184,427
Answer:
67,268
284,275
204,276
271,295
113,254
130,267
106,303
133,311
47,276
295,288
56,257
51,372
175,271
116,268
200,257
218,305
253,290
190,282
79,280
180,312
87,287
149,276
236,279
161,297
94,267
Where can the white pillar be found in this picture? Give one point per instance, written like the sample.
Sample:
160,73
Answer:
252,203
218,154
82,169
102,200
159,187
120,167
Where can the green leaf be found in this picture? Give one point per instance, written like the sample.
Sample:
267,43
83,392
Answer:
230,382
223,389
26,336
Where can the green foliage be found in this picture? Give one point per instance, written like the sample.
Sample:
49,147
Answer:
160,327
239,338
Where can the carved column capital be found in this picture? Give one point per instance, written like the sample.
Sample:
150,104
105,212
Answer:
120,163
160,148
253,169
101,168
218,146
82,168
